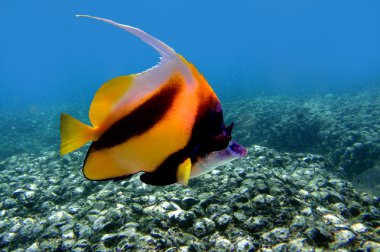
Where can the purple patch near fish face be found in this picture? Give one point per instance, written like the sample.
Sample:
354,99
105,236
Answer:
238,149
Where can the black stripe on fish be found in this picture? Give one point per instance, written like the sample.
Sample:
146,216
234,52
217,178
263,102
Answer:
142,118
208,135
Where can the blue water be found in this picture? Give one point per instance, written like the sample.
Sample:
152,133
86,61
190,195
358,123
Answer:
244,48
300,79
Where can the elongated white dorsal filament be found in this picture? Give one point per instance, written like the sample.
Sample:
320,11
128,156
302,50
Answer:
163,49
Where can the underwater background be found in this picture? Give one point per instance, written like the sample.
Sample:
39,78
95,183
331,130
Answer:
300,79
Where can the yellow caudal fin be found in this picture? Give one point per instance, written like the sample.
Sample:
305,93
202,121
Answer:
183,172
74,134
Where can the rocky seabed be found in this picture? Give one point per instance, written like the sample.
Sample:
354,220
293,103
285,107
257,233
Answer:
268,201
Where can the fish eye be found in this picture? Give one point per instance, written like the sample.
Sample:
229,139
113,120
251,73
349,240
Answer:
358,180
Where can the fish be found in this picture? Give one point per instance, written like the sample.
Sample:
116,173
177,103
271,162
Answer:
165,122
368,181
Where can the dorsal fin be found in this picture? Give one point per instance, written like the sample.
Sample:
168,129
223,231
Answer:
121,95
163,49
107,97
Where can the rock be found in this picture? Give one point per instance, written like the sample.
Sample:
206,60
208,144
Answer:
359,228
303,193
223,221
50,245
299,244
223,244
110,240
299,223
367,199
203,227
81,245
210,225
66,227
9,203
67,245
332,219
100,205
78,191
175,215
341,208
196,247
148,240
243,245
27,198
319,236
103,194
154,210
322,210
254,224
68,234
59,216
307,211
354,209
239,217
33,248
101,224
47,206
30,230
137,208
83,231
73,209
267,238
261,187
156,233
280,234
367,217
371,246
377,231
16,227
169,206
126,245
114,215
374,210
188,202
183,218
280,247
207,199
6,239
50,232
343,237
152,199
129,235
212,209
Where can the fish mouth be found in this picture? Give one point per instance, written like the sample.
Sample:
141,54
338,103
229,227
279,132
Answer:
237,149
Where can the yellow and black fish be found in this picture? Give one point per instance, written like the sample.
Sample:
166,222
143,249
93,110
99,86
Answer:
166,122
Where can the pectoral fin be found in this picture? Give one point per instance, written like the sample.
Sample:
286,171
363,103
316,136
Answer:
183,172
